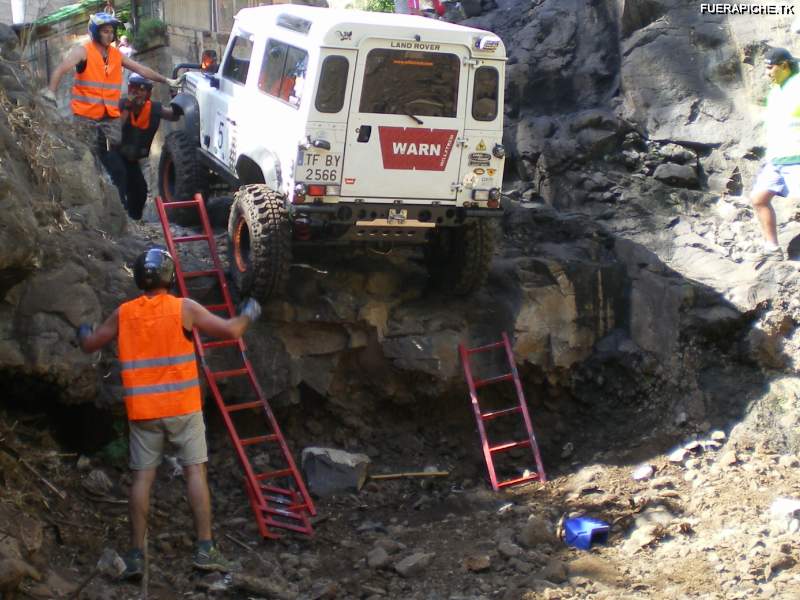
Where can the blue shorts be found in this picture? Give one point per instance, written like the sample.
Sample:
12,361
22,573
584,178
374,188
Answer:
782,180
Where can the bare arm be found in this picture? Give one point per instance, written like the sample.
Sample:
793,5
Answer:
195,315
74,56
142,70
103,335
169,114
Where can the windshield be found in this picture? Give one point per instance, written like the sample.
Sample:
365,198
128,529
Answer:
403,82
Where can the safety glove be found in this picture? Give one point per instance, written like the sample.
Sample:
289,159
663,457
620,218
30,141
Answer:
84,330
251,309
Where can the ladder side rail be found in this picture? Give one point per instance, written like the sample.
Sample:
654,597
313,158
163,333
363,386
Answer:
473,394
212,243
287,454
524,407
162,215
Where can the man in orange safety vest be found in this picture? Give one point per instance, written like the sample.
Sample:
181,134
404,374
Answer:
97,86
162,394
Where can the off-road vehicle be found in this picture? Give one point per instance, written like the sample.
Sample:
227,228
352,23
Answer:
344,127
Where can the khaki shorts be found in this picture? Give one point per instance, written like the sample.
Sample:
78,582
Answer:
186,433
110,127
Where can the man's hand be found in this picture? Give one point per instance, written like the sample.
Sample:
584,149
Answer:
84,330
251,309
173,83
49,97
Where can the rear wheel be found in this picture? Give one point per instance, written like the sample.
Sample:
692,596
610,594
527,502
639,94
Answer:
181,175
458,258
259,242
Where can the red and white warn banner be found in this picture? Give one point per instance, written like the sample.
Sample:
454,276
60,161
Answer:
416,149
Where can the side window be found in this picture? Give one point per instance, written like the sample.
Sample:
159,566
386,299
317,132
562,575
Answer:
484,94
332,84
283,73
237,63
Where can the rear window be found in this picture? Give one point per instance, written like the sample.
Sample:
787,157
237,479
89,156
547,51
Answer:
332,84
283,72
399,82
484,94
237,63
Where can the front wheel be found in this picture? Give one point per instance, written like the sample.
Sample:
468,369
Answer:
259,242
458,258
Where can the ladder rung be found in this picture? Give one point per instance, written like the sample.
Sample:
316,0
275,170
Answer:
230,373
271,489
274,474
507,482
244,406
259,439
479,383
213,307
499,413
307,530
509,446
180,203
485,348
189,238
220,343
283,512
207,273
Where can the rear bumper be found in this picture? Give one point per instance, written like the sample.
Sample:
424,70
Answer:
362,212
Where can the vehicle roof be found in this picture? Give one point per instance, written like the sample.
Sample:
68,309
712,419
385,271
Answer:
328,23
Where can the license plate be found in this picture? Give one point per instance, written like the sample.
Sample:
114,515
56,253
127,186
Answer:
397,215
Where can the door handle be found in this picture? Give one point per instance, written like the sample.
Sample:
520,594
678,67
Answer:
364,132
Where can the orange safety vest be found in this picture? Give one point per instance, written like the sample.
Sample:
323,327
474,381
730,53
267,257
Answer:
159,368
97,89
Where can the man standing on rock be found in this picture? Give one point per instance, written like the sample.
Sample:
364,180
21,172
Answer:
780,174
162,394
98,85
140,120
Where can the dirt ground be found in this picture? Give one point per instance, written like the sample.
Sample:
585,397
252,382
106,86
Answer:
700,526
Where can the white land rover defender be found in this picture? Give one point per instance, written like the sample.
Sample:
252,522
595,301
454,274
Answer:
339,126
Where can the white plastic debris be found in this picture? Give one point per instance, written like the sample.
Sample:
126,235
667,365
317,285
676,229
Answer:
643,472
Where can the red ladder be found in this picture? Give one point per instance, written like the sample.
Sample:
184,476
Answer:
481,417
285,506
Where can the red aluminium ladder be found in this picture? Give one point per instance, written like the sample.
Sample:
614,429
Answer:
489,451
278,497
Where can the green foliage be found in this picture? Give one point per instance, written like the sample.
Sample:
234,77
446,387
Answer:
116,451
148,33
380,6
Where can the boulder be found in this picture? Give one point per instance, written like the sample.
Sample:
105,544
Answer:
329,471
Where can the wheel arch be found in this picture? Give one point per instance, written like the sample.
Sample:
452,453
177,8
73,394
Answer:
188,107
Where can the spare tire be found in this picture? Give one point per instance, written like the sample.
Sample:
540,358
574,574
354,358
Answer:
259,242
181,175
458,258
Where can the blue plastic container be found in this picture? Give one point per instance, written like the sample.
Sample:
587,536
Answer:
583,532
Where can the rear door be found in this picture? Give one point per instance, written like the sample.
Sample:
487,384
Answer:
406,115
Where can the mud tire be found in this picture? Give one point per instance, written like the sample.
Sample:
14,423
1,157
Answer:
259,242
181,175
458,258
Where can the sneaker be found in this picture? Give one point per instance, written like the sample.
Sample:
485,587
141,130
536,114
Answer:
210,559
134,564
766,255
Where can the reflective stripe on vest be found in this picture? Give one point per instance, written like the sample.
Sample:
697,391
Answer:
159,369
97,89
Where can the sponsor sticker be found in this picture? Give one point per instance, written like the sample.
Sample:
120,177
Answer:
491,172
481,147
479,159
412,149
478,171
349,180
